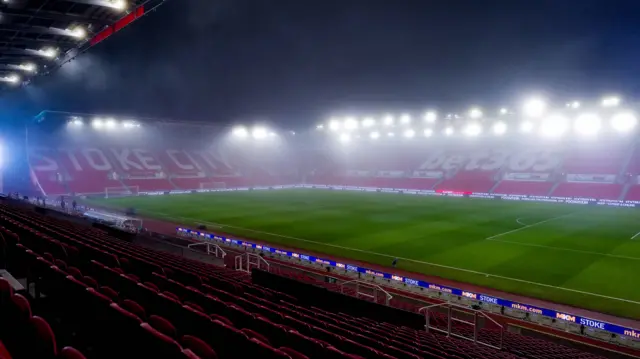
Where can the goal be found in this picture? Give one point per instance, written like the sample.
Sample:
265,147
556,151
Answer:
110,192
213,185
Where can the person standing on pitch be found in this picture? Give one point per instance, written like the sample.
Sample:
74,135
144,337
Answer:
395,261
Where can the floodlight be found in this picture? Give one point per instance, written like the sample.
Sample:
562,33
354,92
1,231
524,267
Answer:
554,126
320,127
259,132
409,133
390,134
448,131
76,121
526,126
575,105
503,111
273,134
350,123
611,101
535,107
430,116
110,123
449,116
78,32
28,67
388,120
624,121
368,122
428,132
49,52
344,138
240,132
405,119
473,129
374,135
475,113
13,78
119,4
587,124
499,128
97,123
334,125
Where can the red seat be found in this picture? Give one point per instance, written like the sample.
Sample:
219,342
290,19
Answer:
156,344
198,347
163,326
42,343
70,353
292,353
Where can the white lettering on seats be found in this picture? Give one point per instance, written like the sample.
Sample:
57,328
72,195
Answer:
146,158
522,161
44,163
433,162
74,160
548,161
496,161
534,161
173,155
123,158
96,159
475,160
453,162
209,159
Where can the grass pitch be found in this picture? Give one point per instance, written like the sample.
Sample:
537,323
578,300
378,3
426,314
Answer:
578,255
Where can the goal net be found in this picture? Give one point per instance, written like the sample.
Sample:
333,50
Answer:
110,192
213,185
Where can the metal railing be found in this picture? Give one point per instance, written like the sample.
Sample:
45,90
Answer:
374,287
217,251
252,260
452,309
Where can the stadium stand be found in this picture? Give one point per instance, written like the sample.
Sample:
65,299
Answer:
129,168
111,298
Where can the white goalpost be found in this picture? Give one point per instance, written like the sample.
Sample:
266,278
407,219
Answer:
110,192
213,185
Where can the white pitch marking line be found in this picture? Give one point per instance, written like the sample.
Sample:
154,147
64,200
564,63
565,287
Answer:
528,226
519,222
566,249
412,260
635,235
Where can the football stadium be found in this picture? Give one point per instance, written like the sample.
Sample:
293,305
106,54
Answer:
476,232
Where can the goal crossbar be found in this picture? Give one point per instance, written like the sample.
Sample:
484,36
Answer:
213,185
121,191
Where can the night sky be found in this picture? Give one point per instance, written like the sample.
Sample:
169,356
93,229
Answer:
299,61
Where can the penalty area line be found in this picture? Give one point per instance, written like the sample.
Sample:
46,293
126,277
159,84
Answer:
635,235
409,259
528,226
566,249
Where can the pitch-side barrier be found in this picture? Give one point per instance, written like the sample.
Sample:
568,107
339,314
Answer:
441,193
444,292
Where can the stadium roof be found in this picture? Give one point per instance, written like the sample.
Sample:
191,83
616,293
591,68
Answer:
38,36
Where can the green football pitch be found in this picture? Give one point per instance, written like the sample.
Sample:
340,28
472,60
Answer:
578,255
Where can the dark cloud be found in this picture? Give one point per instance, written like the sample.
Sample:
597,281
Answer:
295,61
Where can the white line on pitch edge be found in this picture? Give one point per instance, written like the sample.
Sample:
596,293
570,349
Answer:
635,235
528,226
566,249
409,259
